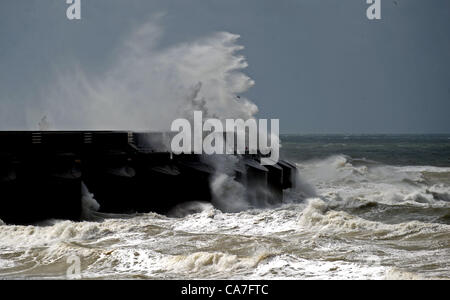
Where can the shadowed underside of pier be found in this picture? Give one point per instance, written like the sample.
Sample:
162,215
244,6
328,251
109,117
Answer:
42,174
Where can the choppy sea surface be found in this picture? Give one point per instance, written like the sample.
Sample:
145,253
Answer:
365,207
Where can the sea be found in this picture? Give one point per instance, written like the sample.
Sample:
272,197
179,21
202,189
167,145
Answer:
363,207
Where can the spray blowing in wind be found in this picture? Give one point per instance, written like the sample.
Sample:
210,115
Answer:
146,87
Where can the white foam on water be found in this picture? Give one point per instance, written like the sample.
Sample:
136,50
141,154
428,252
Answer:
290,267
205,264
253,222
336,178
317,215
252,245
189,208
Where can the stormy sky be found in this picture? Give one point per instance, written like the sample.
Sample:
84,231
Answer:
320,66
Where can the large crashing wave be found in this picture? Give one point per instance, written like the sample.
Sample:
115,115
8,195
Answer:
147,87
